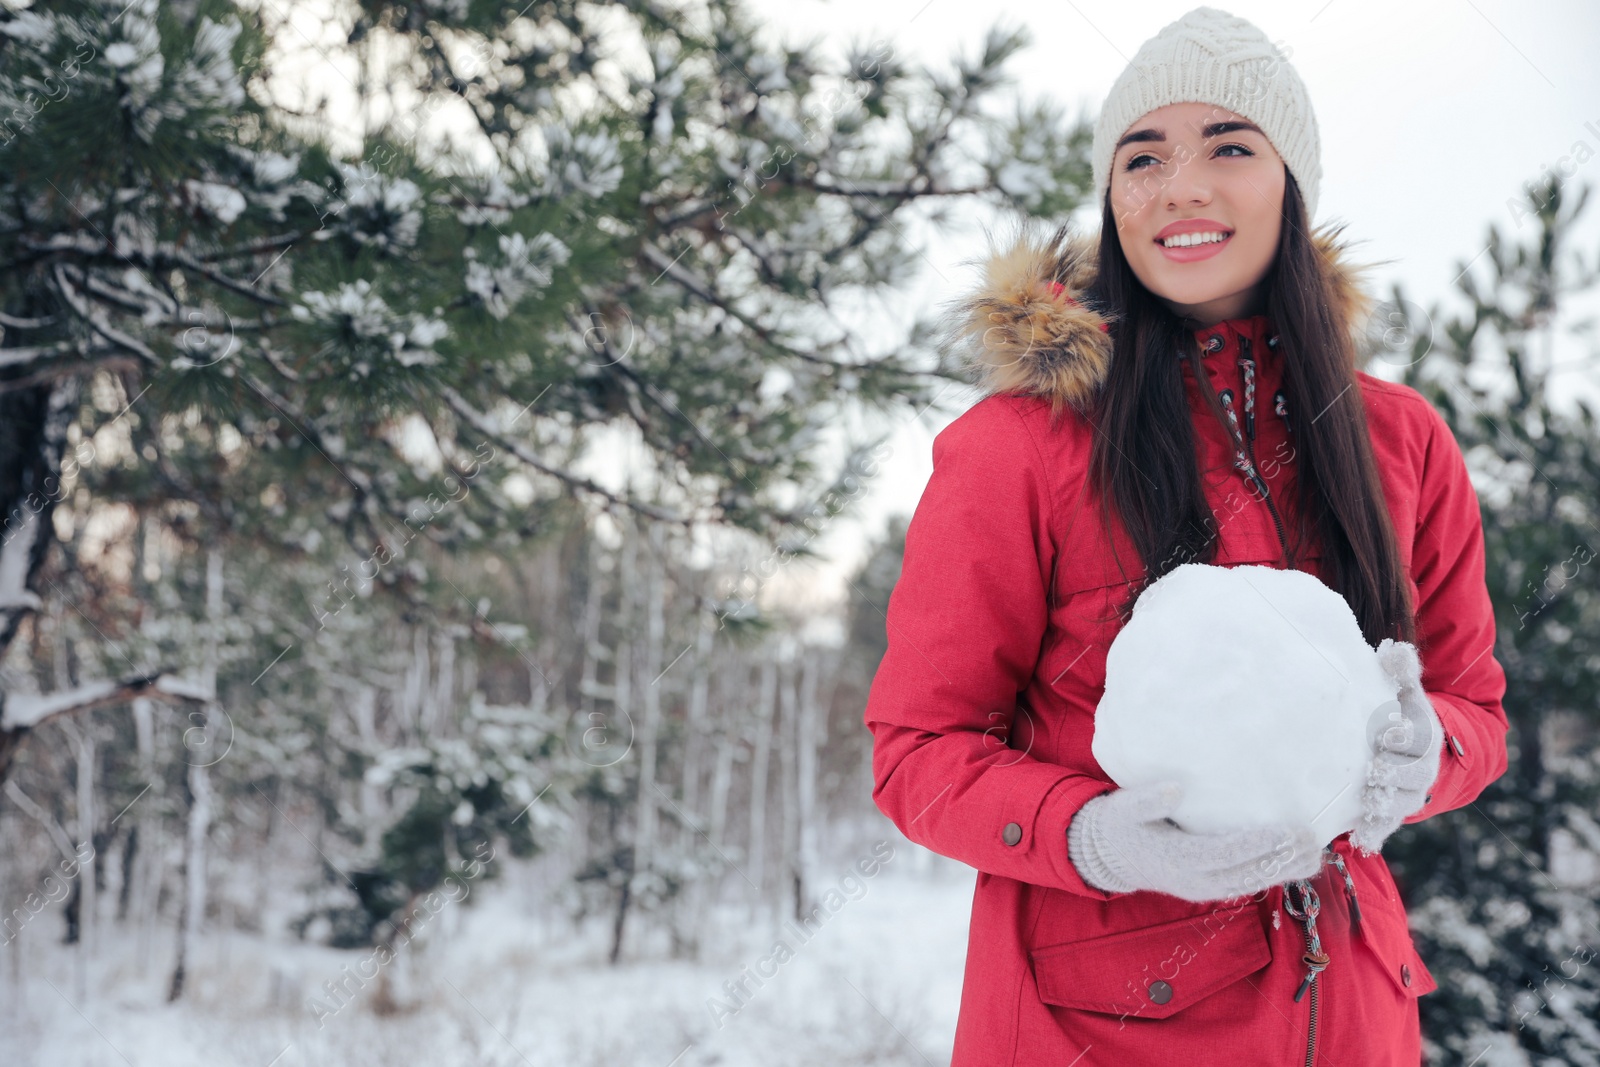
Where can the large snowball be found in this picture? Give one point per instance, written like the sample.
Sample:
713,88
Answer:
1252,686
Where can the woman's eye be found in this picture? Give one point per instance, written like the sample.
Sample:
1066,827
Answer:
1134,164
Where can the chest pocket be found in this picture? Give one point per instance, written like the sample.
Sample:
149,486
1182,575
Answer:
1092,586
1089,588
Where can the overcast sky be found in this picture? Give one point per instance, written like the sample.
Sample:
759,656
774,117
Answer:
1433,116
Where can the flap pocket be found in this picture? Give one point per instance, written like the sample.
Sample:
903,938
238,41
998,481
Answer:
1155,971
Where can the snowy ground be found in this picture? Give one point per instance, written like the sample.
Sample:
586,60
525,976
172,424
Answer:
502,983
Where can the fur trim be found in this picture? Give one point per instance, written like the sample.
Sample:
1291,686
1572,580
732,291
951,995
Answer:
1019,336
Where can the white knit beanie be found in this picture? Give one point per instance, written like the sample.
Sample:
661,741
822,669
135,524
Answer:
1211,57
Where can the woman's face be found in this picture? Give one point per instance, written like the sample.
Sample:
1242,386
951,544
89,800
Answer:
1196,169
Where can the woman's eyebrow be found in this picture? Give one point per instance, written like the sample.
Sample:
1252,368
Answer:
1215,129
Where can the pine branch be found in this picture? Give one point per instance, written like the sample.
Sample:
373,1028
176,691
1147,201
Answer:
878,189
674,269
96,359
478,421
75,301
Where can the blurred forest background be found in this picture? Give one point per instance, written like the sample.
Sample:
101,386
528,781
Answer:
351,711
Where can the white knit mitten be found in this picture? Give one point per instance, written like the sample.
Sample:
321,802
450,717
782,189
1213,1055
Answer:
1121,841
1405,760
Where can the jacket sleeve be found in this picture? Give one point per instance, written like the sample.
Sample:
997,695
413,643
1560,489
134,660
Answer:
965,624
1456,629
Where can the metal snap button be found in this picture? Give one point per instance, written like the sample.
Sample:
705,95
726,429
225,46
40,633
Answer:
1405,973
1012,833
1214,343
1160,992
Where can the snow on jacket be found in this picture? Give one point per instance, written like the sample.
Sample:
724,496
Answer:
982,710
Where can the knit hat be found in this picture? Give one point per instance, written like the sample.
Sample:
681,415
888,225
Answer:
1211,57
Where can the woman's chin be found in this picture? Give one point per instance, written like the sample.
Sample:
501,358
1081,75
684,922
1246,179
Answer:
1189,300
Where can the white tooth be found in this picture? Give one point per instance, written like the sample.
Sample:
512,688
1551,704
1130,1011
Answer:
1186,240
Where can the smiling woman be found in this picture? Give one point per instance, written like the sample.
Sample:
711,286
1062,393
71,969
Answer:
1208,156
1181,387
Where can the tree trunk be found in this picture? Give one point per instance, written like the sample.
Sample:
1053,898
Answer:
789,785
692,911
440,719
722,772
650,711
33,438
412,698
199,781
695,714
145,890
764,710
622,705
87,894
809,715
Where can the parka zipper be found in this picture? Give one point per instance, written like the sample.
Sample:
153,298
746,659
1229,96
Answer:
1311,1033
1315,959
1244,443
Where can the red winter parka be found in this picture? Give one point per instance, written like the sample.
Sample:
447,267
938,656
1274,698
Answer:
982,710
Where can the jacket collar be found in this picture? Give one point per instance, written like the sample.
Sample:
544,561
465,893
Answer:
1022,329
1222,343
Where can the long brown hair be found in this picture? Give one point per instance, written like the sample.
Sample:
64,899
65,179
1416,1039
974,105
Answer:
1144,460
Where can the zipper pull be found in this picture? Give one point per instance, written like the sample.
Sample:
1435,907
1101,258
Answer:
1316,962
1350,894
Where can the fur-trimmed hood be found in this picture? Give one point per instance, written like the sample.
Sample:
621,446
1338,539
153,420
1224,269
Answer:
1021,329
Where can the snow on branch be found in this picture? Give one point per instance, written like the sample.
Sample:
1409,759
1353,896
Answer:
25,711
97,322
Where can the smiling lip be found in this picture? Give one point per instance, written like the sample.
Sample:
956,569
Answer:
1194,252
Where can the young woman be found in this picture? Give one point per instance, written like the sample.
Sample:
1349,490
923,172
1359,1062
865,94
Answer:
1180,388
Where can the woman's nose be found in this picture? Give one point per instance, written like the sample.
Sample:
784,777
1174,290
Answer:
1183,181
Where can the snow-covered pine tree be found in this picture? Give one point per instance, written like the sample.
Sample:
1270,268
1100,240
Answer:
206,300
1503,894
362,343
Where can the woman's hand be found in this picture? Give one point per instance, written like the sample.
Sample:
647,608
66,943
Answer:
1405,758
1121,841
